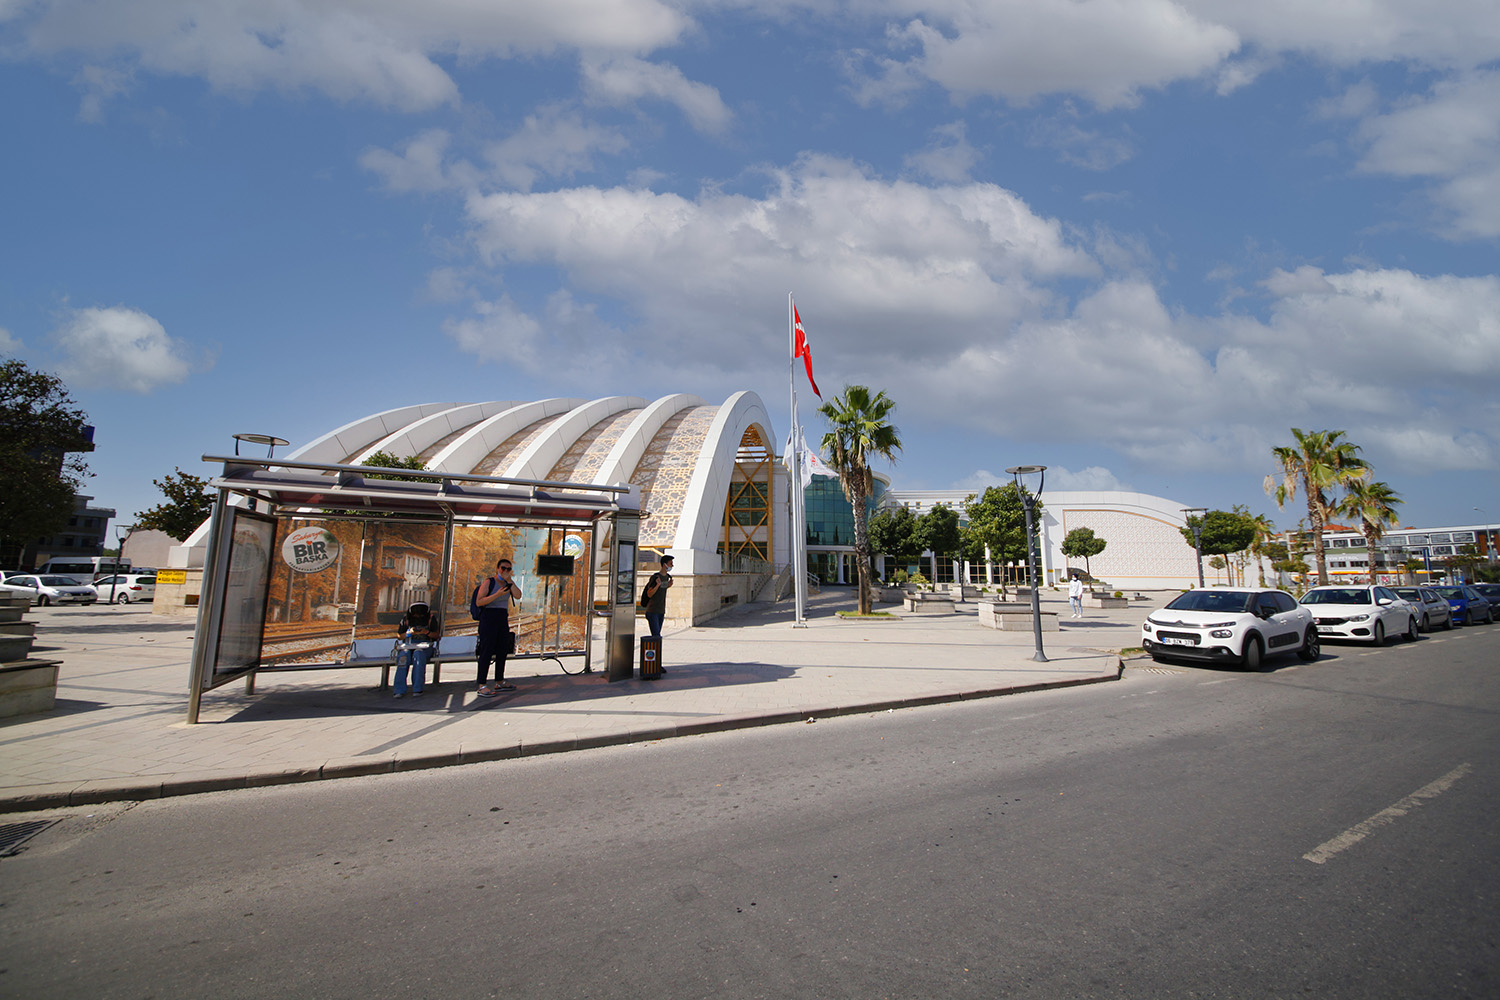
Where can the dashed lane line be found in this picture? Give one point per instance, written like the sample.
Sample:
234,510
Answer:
1389,814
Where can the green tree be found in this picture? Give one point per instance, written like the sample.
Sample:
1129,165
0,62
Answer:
42,432
1375,506
997,521
188,503
1224,531
1082,543
859,430
938,532
1265,534
1319,464
893,532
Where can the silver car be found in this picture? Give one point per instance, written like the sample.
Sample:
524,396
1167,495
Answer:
1434,608
55,589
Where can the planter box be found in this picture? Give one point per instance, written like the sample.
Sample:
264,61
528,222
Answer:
1105,601
927,602
28,687
1010,616
961,592
888,595
15,646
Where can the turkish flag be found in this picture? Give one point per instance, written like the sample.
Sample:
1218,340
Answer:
801,350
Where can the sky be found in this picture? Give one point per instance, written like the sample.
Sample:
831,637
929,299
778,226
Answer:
1135,241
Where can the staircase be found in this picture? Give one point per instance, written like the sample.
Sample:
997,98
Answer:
26,685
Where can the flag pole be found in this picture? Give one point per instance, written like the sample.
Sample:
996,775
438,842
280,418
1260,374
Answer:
794,483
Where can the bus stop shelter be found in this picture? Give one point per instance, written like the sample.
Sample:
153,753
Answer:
310,566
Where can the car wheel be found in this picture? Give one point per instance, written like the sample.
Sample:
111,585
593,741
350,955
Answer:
1379,639
1251,658
1448,623
1311,648
1411,630
1426,625
122,599
45,601
1469,617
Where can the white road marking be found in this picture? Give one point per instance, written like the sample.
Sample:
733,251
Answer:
1360,831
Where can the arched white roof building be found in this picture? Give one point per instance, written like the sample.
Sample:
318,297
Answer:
706,472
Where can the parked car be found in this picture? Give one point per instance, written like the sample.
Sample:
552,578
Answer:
1364,614
1469,606
51,589
1230,625
1491,592
131,587
1434,609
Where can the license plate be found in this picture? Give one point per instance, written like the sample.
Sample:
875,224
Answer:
1169,641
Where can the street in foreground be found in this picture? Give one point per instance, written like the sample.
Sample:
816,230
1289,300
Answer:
1330,829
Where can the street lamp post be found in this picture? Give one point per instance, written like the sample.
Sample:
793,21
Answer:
1489,548
1197,536
1029,500
122,535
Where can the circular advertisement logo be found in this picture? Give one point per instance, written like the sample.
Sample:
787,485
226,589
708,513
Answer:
310,550
572,546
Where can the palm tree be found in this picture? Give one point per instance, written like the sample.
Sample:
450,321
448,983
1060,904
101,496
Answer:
1265,534
858,431
1319,464
1375,506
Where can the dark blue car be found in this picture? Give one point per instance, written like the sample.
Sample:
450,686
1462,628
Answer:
1469,606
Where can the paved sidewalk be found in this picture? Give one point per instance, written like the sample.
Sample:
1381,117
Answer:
119,729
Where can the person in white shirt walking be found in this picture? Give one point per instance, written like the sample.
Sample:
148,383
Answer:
1075,596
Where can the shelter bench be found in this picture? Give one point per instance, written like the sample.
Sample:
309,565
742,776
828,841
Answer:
382,653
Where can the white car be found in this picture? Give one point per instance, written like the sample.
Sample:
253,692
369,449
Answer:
1231,625
51,589
1363,614
127,588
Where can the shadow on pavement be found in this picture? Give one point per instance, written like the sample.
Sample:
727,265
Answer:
591,692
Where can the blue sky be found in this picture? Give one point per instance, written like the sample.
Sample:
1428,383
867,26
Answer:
1132,240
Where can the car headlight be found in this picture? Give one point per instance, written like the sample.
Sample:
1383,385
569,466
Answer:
1221,633
1219,625
1359,618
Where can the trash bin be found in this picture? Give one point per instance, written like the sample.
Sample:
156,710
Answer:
650,657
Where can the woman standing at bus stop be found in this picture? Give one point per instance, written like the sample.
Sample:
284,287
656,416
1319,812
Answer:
494,599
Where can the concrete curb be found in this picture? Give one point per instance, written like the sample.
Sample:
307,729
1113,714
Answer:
36,798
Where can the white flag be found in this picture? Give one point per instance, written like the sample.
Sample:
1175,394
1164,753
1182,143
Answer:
812,463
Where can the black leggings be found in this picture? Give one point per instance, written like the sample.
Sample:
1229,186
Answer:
494,631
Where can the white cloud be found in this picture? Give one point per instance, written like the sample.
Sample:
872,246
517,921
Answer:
551,143
891,263
948,157
8,343
382,51
1093,478
420,166
623,80
1105,50
119,348
1451,135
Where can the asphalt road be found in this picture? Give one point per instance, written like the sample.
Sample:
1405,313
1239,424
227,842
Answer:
1330,830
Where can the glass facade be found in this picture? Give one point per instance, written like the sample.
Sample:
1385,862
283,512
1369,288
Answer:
830,519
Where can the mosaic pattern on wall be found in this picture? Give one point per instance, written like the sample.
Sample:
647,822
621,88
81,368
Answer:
1138,545
497,461
666,470
581,462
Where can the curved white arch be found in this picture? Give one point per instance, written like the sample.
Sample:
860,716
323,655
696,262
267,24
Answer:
619,465
352,438
537,459
421,434
464,454
702,518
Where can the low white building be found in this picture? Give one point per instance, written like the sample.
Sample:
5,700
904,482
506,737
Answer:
1145,549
